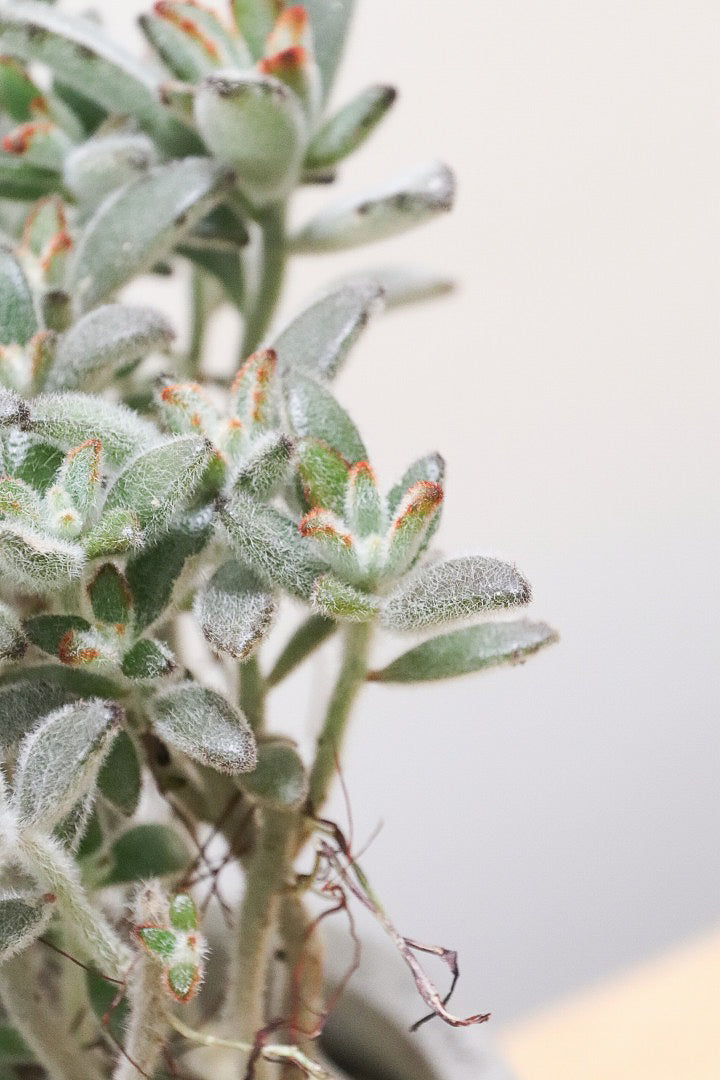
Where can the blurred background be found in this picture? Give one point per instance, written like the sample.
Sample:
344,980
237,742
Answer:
557,822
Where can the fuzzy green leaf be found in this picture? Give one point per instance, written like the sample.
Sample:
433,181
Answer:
22,920
255,124
21,180
20,501
270,544
148,659
253,394
110,596
234,610
160,942
332,542
264,470
46,632
471,649
120,777
117,532
279,780
382,211
348,128
313,411
104,340
363,509
18,92
146,851
323,474
455,589
403,284
38,465
329,24
415,520
318,340
255,19
38,562
153,573
59,760
95,168
80,475
18,321
157,483
337,600
13,642
70,419
431,469
182,913
141,223
204,726
24,702
191,40
76,49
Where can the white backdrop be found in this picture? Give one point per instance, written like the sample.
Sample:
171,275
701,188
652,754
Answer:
558,821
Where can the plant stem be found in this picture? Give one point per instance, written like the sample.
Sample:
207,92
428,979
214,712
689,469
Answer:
304,960
274,255
198,320
267,872
147,1027
252,693
43,1028
329,744
59,875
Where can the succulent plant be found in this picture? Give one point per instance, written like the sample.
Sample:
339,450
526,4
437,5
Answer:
146,505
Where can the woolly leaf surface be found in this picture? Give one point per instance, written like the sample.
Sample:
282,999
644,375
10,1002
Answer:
58,761
471,649
203,725
319,339
234,610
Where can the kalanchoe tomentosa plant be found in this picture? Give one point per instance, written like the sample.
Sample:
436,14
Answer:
142,501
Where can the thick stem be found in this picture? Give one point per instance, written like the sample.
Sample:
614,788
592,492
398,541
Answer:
43,1028
147,1027
252,693
267,872
58,874
329,745
304,959
274,255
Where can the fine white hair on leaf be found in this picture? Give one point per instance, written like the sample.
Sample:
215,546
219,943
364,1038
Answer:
36,561
446,591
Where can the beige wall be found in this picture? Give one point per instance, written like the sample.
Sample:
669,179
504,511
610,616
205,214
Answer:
558,820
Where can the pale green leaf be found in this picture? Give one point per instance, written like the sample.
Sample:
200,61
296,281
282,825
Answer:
59,760
234,611
471,649
329,22
266,466
18,321
21,180
255,124
139,224
313,411
379,212
145,852
77,51
348,128
203,725
279,780
120,777
335,599
431,469
22,920
100,165
255,19
36,561
270,544
13,642
455,589
71,418
318,340
157,483
110,337
155,571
